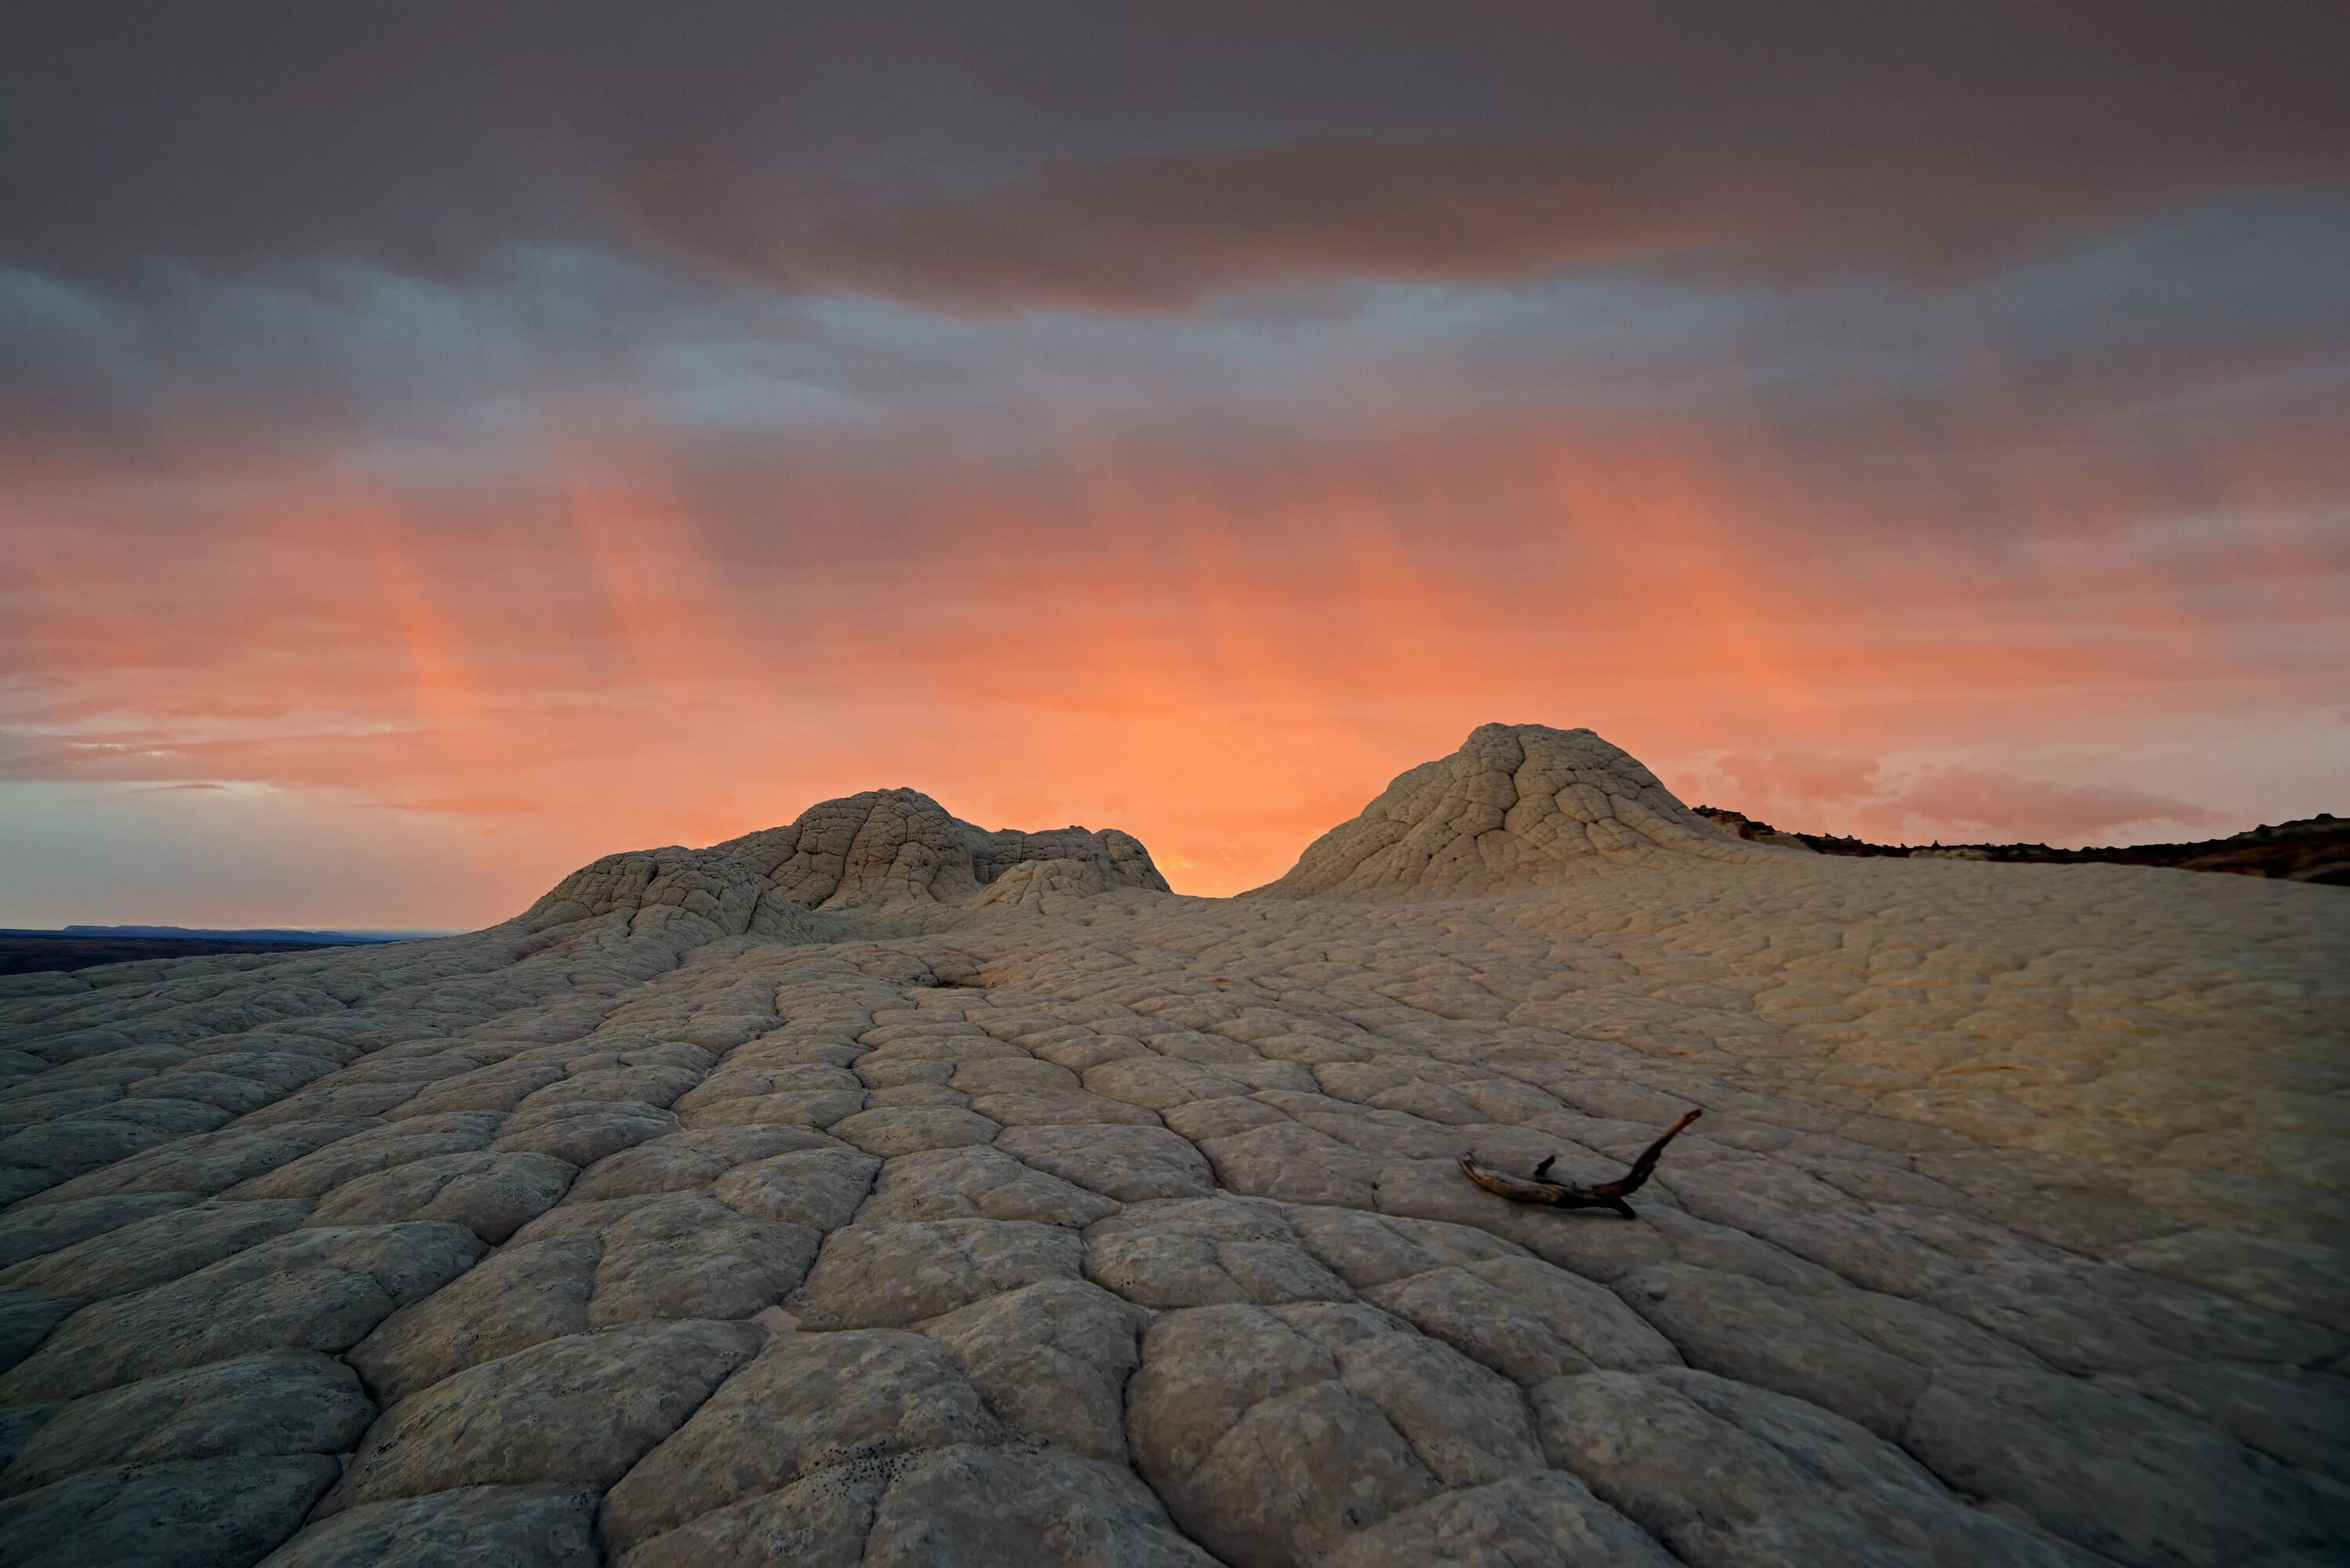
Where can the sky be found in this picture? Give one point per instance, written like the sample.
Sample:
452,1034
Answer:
444,443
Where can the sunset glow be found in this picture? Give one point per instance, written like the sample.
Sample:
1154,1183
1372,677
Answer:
340,586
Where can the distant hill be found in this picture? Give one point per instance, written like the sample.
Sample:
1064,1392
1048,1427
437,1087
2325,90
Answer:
255,934
2308,849
80,946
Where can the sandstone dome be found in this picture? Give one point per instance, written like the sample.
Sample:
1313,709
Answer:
898,844
1517,806
887,848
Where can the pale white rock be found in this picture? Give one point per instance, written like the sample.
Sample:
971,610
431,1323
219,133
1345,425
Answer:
1052,1359
525,1293
1128,1164
808,1402
975,1184
893,1275
308,1290
1517,806
2014,1231
582,1409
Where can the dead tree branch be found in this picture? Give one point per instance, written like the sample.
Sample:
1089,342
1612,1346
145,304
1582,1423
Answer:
1567,1194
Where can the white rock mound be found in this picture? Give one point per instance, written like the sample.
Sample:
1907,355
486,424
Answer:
892,847
715,886
1032,883
1517,806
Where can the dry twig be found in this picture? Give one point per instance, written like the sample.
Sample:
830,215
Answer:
1566,1194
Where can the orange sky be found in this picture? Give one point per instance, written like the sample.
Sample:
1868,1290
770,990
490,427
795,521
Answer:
482,694
440,447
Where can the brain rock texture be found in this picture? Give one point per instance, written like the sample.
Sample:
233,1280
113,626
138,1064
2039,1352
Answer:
882,1191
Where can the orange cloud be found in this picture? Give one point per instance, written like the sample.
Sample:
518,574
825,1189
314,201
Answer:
2010,807
1224,662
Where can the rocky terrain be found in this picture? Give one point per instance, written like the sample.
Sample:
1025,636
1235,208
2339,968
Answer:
23,952
2308,849
881,1190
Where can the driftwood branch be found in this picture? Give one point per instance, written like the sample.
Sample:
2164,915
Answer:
1567,1194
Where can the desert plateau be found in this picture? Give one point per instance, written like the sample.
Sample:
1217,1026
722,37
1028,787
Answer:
880,1189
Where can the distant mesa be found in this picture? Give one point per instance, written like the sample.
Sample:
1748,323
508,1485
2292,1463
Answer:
1517,806
2307,850
246,934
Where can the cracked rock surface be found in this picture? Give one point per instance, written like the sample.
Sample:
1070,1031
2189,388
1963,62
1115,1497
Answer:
882,1191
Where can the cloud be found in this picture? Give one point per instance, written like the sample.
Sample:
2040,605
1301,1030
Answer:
622,424
1806,777
1164,232
1819,792
1123,160
2023,809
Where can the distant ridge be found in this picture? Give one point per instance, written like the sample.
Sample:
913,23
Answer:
248,934
2307,850
85,947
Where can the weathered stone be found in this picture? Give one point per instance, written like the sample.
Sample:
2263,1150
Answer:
1527,1319
1367,1250
1782,1481
162,1246
482,1527
695,1257
905,1130
580,1134
582,1409
1745,1329
978,1184
2035,1169
808,1402
1126,1163
1274,1436
2121,1475
28,1318
1204,1252
2301,1418
1296,1163
286,1402
525,1293
364,1152
1052,1359
817,1187
1012,1508
203,1514
308,1290
891,1275
492,1195
1542,1521
38,1229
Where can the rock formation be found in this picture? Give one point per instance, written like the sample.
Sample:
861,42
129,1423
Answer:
881,1190
1518,806
898,844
